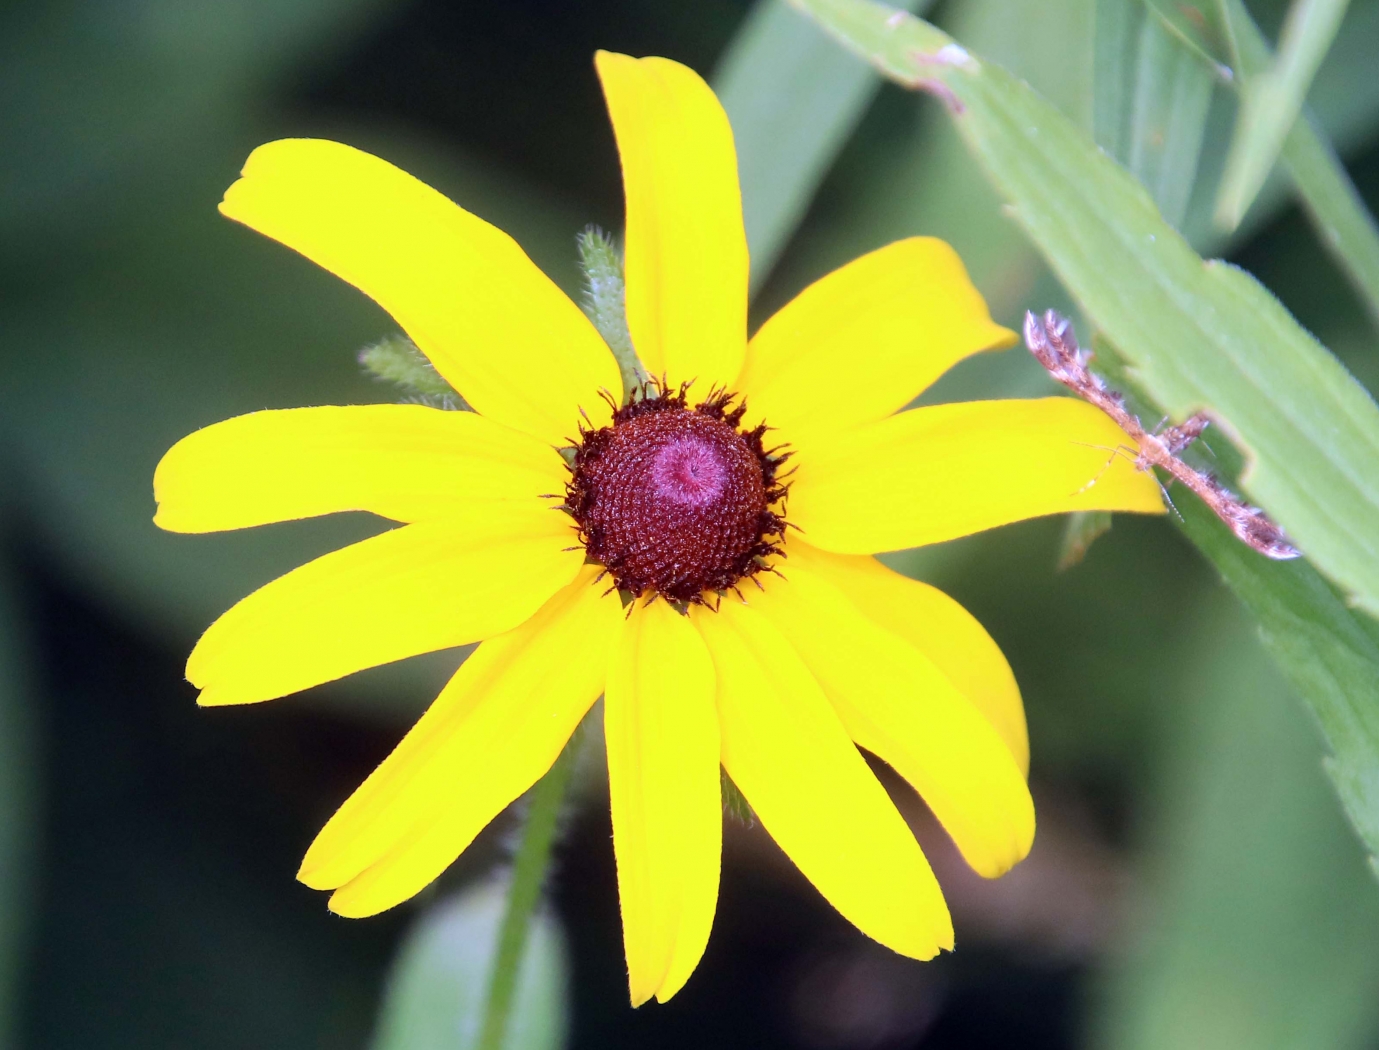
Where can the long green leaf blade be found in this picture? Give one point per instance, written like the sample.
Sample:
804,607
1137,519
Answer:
1327,651
1198,335
792,98
1273,102
1347,229
1233,944
1172,91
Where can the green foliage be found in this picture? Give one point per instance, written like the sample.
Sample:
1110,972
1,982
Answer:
1236,347
1272,101
1083,528
1329,652
1346,228
735,803
1151,94
604,303
395,359
1199,336
793,98
155,317
439,981
1254,921
513,935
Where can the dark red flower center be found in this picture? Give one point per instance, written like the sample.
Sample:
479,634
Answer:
676,500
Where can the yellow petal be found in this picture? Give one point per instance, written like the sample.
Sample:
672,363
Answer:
661,728
932,474
412,590
405,462
937,626
897,704
784,746
491,734
686,250
492,323
861,343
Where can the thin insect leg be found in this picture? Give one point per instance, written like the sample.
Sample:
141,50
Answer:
1118,450
1167,498
1121,450
1097,476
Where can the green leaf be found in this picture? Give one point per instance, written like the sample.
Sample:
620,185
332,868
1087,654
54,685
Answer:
793,99
1273,101
1328,651
1150,100
1198,336
439,982
1254,926
1080,531
397,360
1172,94
605,304
1347,229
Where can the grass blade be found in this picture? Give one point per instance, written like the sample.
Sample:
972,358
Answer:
793,99
1199,336
1168,117
1328,651
1273,101
1347,229
1241,834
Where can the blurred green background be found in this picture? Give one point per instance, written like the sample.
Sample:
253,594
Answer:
1194,883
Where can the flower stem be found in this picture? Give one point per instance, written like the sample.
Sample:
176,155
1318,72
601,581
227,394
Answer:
528,875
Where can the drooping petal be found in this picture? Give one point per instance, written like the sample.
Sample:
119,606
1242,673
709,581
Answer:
405,462
862,342
686,249
661,727
935,473
492,732
492,323
412,590
899,705
784,746
937,626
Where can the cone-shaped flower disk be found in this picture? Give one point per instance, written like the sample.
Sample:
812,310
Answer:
761,635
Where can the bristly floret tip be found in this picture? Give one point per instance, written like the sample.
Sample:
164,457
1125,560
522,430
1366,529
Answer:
675,500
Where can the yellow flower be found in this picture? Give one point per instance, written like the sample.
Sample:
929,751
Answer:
785,644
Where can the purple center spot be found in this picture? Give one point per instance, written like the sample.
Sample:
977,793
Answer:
688,470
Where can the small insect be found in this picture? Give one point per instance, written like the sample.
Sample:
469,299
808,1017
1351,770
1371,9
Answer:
1050,339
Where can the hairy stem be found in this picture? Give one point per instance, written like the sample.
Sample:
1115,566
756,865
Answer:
605,304
528,876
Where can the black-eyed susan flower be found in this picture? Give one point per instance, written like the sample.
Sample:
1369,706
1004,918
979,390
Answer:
760,635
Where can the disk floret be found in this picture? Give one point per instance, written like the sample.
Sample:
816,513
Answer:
677,500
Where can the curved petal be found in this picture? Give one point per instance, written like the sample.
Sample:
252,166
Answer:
785,748
934,624
492,323
407,591
932,474
686,249
405,462
494,730
661,728
897,704
862,342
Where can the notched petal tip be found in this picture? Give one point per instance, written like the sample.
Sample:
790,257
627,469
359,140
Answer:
342,903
